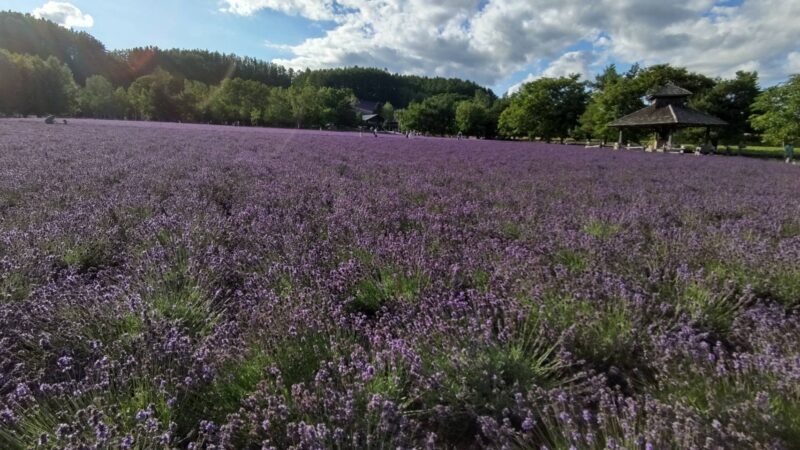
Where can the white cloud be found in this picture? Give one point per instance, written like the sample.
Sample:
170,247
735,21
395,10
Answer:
65,14
488,40
312,9
568,64
793,60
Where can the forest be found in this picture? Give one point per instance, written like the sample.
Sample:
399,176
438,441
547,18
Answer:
47,69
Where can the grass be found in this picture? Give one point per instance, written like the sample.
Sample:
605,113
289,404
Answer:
782,286
605,333
9,199
233,382
298,358
418,198
176,295
42,418
600,229
790,229
125,400
15,286
511,230
382,285
715,310
714,396
573,260
481,280
524,361
116,329
90,255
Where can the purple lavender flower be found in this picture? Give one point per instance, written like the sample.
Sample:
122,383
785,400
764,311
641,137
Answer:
527,424
502,281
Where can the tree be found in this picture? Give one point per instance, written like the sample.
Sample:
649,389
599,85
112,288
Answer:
305,107
239,100
157,96
380,85
731,101
195,99
471,118
32,85
656,76
435,115
614,95
387,112
82,53
337,107
11,84
545,108
96,99
278,111
777,112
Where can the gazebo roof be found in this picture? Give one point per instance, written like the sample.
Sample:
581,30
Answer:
669,115
669,90
670,112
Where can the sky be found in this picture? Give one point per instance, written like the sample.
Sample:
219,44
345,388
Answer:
497,43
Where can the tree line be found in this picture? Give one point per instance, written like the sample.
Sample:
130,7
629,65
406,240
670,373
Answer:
46,69
86,56
380,85
568,107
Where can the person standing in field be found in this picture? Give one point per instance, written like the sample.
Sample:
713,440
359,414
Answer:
788,150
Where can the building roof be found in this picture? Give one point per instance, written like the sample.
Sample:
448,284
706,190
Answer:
670,113
674,115
669,90
370,117
367,106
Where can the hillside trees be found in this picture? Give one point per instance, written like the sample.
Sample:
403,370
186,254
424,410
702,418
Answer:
83,54
380,85
208,67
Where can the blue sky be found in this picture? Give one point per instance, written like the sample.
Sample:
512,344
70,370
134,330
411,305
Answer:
498,43
186,24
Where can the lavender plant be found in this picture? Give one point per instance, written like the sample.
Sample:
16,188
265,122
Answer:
189,286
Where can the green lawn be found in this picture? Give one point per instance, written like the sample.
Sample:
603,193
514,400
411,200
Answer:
759,151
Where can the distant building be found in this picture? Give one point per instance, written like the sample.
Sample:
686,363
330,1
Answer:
372,120
367,107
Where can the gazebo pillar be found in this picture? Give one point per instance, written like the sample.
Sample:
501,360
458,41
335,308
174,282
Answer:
619,139
669,139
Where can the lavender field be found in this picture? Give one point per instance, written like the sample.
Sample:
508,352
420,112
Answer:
187,286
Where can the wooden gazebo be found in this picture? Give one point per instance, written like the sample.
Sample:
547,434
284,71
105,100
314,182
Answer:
667,114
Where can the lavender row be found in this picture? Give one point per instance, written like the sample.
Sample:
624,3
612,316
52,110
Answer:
168,286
